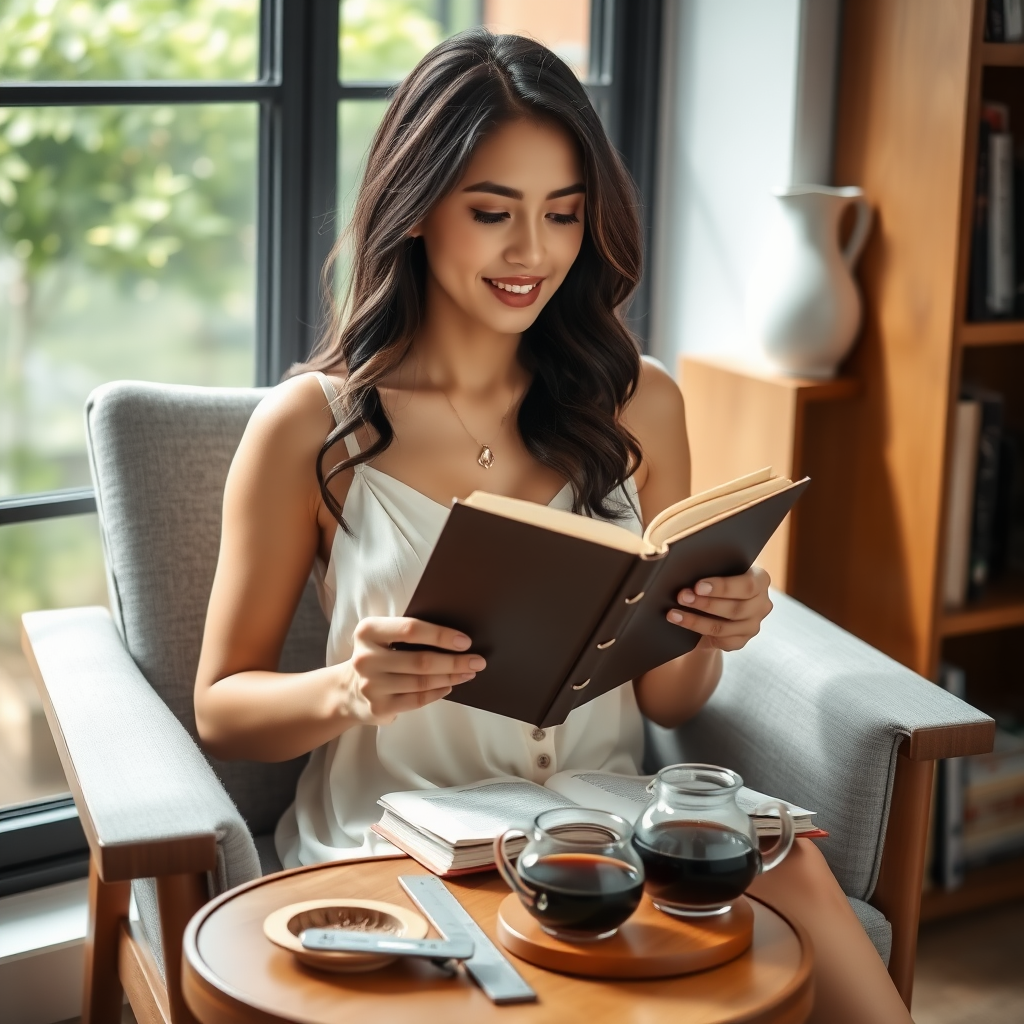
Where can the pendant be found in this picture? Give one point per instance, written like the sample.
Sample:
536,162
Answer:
485,458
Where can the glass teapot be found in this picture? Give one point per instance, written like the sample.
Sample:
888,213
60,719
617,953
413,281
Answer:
578,875
699,848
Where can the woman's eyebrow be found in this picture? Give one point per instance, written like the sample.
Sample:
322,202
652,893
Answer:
513,193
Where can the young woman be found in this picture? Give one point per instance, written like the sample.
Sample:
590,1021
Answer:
495,241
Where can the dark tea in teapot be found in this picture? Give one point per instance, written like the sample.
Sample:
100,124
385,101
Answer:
699,849
697,864
582,892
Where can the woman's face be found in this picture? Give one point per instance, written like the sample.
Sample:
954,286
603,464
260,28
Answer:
502,241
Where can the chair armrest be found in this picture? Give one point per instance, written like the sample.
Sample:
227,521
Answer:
809,713
149,802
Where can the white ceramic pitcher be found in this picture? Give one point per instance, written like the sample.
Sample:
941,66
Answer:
803,306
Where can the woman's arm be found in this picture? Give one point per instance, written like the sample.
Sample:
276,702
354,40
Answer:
273,524
677,690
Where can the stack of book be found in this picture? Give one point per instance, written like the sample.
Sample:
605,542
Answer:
1004,21
980,801
985,497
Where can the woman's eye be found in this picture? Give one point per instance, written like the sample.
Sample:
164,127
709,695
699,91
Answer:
564,218
483,217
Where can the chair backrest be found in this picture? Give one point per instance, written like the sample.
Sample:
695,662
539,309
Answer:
159,456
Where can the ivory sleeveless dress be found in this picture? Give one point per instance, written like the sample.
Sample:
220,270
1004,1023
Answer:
374,572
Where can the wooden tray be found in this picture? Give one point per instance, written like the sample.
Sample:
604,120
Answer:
650,944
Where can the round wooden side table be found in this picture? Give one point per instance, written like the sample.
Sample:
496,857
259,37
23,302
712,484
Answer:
232,974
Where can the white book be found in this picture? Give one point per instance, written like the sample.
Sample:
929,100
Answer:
1002,284
1013,21
452,830
960,501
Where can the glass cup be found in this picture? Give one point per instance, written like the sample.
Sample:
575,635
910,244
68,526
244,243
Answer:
700,850
578,874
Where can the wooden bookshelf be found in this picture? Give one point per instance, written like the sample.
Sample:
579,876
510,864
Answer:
1002,607
983,887
1002,55
994,332
909,107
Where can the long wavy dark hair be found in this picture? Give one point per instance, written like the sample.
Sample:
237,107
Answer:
584,362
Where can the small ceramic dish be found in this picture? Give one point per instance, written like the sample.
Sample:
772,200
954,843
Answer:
283,927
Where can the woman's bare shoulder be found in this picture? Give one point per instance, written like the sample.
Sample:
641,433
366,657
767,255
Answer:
285,434
657,419
656,409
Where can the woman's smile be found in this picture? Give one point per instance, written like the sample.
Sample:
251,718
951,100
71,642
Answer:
515,291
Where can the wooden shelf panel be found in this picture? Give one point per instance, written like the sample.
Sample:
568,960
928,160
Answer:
1002,55
810,388
1001,608
993,332
983,887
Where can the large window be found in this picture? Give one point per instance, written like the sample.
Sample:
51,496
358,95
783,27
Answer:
172,176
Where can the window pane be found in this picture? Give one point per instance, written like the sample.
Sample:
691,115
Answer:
563,26
48,564
357,121
127,250
97,40
381,40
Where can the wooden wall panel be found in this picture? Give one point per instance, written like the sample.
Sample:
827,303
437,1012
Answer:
900,134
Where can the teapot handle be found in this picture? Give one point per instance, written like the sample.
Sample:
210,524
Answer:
859,235
508,871
778,852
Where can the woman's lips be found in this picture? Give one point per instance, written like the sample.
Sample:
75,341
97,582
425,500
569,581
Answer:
500,288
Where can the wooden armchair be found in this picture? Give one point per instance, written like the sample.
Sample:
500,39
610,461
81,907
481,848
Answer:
806,712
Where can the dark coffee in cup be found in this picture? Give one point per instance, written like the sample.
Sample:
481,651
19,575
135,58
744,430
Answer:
582,893
696,865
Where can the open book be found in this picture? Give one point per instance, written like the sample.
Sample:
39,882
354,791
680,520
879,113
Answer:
452,830
564,607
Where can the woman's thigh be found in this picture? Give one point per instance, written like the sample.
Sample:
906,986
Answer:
851,984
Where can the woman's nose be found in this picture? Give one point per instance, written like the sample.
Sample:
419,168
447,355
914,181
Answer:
526,248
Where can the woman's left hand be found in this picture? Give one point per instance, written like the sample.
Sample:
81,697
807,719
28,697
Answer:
737,604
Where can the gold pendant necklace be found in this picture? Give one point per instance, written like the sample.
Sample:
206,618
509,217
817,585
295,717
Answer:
485,459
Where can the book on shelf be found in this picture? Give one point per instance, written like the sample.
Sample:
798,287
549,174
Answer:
1004,21
960,501
1013,21
993,279
565,607
986,486
984,499
1001,283
994,801
451,831
1008,544
949,817
995,25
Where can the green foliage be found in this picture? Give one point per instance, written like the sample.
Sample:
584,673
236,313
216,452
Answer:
381,40
125,189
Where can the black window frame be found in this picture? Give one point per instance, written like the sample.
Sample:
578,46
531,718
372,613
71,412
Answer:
298,90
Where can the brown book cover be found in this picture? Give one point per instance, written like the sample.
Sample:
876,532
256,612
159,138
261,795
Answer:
562,619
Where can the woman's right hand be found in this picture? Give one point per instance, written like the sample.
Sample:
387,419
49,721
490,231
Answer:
381,682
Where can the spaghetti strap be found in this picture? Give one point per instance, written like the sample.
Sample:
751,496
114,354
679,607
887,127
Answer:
334,401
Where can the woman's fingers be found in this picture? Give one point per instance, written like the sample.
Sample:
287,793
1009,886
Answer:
730,597
385,631
713,627
429,663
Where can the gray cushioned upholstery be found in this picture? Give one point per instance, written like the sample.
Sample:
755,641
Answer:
809,713
159,456
879,930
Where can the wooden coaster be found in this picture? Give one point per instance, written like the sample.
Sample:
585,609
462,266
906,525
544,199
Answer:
650,944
